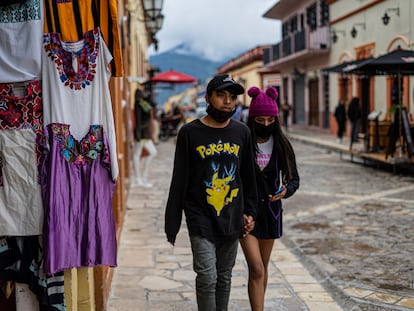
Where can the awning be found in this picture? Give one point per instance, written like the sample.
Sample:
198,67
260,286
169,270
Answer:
344,67
174,77
397,62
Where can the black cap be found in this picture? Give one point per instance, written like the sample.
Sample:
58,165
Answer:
225,81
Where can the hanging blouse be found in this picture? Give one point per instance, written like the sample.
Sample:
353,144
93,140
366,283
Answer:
72,18
79,228
21,30
75,86
80,165
21,125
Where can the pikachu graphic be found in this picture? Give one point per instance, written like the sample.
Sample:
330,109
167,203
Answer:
218,189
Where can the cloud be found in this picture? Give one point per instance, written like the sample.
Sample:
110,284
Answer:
217,29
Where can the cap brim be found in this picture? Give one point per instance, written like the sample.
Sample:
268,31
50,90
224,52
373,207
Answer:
235,88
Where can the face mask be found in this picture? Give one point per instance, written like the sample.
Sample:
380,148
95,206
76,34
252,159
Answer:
264,131
218,115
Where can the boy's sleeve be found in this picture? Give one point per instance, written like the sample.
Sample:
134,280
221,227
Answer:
178,189
248,173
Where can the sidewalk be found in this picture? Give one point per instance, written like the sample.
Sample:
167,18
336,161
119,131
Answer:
153,275
357,153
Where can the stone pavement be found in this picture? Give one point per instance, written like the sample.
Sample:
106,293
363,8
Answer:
356,153
153,275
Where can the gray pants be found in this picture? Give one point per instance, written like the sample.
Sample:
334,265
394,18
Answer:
213,264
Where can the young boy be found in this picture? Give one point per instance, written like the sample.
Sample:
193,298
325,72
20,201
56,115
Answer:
214,183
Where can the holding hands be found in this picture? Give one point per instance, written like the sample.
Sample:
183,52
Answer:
248,224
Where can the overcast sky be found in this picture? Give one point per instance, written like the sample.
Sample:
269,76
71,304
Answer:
217,29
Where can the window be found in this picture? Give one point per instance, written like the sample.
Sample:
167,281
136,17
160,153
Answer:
285,30
294,24
311,17
324,9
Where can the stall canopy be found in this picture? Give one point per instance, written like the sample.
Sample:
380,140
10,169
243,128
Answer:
398,62
173,76
340,68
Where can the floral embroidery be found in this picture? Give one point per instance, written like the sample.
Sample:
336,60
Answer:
15,13
11,116
85,59
86,150
22,112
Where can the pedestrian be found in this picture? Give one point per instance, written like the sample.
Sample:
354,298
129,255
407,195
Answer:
175,115
354,116
277,178
213,181
244,114
156,123
143,141
238,113
340,117
286,108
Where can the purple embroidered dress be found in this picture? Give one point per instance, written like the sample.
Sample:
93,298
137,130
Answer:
78,173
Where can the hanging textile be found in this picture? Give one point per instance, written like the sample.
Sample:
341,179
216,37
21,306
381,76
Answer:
21,125
21,30
9,2
72,18
80,165
21,262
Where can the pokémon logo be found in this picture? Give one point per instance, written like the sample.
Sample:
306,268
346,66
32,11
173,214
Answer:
218,189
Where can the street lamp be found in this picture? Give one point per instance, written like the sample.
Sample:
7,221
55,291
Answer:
154,24
153,18
386,18
153,8
335,35
354,32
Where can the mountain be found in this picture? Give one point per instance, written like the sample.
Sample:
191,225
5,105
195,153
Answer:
179,58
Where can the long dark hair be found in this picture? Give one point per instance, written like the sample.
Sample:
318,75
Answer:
285,153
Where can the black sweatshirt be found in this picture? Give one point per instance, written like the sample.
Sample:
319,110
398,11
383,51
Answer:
213,181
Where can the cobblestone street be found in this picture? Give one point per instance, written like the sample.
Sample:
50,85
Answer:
347,243
352,225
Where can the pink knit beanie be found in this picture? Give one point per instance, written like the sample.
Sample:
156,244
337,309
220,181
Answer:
263,102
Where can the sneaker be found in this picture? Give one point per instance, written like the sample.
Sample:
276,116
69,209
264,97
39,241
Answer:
137,182
147,185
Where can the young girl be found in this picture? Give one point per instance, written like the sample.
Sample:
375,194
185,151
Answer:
277,178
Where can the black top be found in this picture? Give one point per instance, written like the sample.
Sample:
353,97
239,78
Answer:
340,113
213,181
142,119
269,215
354,111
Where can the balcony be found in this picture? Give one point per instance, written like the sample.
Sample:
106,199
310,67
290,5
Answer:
299,44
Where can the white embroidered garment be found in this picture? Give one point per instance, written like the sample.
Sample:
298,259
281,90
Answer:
21,124
75,79
21,209
21,31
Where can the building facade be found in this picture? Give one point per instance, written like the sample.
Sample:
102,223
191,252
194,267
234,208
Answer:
302,51
365,29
